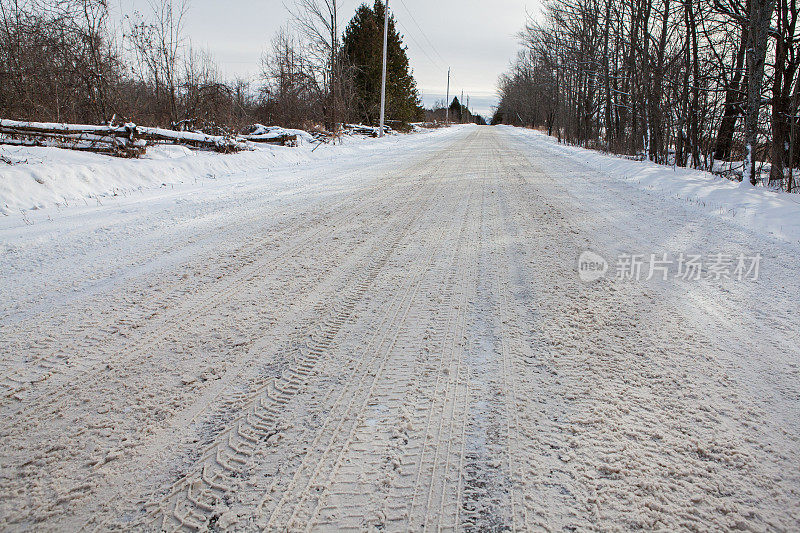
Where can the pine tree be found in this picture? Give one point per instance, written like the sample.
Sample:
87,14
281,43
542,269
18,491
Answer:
455,107
362,50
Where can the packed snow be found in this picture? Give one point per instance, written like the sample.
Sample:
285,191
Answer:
760,209
393,334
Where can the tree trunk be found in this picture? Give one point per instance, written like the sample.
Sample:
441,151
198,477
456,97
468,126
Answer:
694,126
786,64
780,105
733,107
760,17
657,115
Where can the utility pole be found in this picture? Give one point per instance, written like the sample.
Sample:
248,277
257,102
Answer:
461,107
385,58
334,68
447,99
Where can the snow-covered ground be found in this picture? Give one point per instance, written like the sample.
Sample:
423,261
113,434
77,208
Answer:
762,210
395,335
41,177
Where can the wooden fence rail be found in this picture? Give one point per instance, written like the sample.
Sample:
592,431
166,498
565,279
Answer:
128,140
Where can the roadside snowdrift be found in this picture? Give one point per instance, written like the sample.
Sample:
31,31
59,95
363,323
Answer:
53,176
43,177
756,208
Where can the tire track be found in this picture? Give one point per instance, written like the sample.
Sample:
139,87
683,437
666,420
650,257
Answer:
445,388
509,372
376,201
343,304
326,459
195,503
253,262
384,455
342,411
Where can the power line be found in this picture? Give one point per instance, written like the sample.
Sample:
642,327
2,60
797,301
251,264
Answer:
422,31
433,61
422,48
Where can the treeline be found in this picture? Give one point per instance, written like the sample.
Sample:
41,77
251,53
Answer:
64,61
456,112
709,84
316,72
68,61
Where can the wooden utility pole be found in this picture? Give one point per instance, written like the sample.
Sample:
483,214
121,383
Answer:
385,57
334,65
447,99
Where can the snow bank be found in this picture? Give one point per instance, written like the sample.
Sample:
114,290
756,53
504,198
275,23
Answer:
44,176
47,177
757,208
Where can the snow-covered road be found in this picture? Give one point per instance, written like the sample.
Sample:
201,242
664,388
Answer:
397,341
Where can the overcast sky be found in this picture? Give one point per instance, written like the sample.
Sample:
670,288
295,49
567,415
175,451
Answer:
477,38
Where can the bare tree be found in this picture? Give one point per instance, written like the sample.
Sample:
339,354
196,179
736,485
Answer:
318,22
732,76
57,59
61,60
681,82
157,44
290,89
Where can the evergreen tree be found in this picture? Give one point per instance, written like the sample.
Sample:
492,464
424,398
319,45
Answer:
362,49
455,107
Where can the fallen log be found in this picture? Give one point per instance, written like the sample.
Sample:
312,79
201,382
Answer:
110,148
361,129
19,127
126,140
118,141
221,144
282,140
130,140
